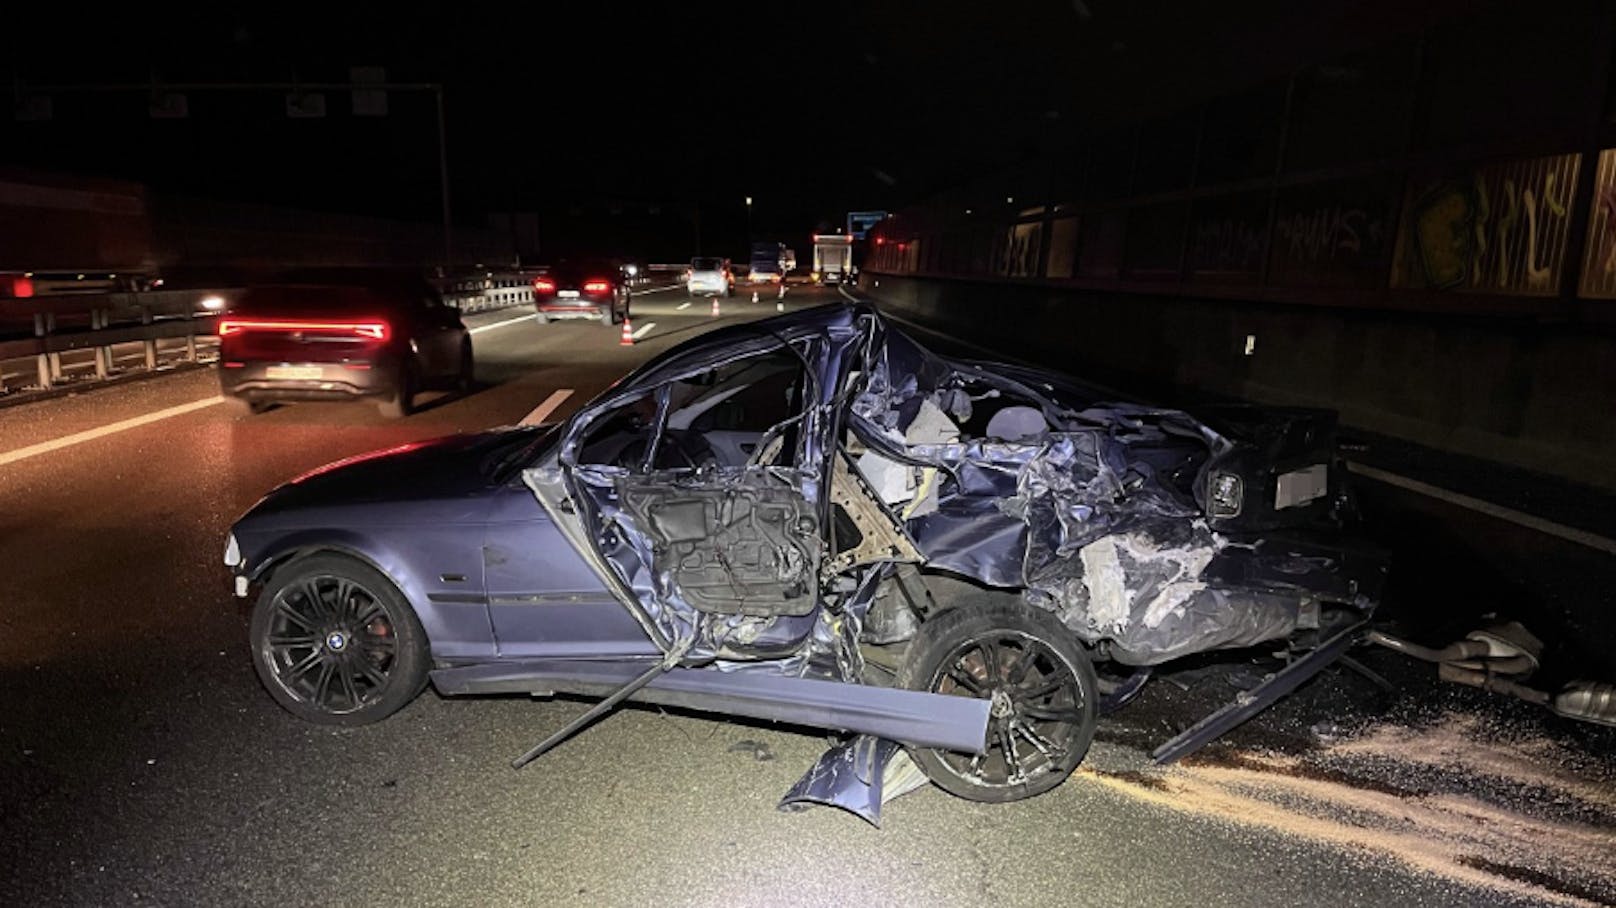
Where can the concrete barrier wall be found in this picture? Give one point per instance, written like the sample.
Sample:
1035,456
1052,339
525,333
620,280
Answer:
1533,395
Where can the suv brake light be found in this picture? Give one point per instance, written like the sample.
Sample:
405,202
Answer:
597,286
543,285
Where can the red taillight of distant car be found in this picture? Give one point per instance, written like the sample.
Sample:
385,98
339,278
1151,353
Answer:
597,286
369,330
543,285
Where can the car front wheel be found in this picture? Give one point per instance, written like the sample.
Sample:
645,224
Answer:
1041,685
334,642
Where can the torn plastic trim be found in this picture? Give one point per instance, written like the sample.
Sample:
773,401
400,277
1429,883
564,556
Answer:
913,717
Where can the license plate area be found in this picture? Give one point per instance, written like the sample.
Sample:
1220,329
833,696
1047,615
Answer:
568,294
295,373
1298,487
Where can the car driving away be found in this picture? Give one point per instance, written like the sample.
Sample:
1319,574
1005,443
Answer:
710,274
812,519
584,288
341,334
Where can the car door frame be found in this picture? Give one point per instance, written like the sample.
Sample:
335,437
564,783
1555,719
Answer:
554,479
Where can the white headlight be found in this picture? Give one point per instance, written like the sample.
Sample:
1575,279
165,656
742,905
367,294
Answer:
1225,495
213,303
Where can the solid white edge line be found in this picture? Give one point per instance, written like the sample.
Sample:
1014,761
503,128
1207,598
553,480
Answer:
660,289
543,410
1569,534
510,321
67,441
682,306
644,330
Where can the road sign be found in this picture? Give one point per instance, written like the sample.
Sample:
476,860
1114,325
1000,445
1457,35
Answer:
860,222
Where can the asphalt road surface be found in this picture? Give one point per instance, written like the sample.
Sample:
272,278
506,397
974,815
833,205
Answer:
141,762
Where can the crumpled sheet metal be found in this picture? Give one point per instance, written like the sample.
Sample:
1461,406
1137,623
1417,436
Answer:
857,775
1087,530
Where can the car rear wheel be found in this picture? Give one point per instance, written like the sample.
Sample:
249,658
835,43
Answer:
541,318
1043,692
608,315
466,377
334,642
401,402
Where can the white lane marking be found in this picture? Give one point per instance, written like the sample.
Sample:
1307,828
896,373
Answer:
543,411
660,289
683,306
842,289
510,321
644,330
1569,534
67,441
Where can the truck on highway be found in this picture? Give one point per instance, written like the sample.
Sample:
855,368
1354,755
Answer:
833,258
65,234
767,264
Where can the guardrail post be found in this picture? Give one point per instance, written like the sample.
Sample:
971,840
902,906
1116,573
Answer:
103,354
190,334
150,342
41,331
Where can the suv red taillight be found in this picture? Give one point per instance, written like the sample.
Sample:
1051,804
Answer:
597,286
543,285
369,329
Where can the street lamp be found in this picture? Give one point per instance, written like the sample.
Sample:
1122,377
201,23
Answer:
748,225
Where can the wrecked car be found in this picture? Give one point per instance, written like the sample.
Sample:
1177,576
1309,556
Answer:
815,520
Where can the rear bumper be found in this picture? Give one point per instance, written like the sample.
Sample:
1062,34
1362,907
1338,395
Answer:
336,381
584,307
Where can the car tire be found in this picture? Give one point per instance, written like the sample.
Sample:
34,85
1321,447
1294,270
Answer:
608,316
541,318
401,402
334,641
466,375
1043,689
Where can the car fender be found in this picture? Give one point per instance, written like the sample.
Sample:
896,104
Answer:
457,629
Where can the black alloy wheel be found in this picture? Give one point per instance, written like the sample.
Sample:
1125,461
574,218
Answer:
334,642
1042,689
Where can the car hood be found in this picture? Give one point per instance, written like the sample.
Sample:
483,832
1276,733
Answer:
446,467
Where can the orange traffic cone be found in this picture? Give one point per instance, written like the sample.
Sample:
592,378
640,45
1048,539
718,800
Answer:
754,296
627,340
715,307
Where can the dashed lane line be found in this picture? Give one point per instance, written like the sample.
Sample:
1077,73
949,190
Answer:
543,410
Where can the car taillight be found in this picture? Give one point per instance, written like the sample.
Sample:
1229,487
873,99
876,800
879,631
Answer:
543,285
597,286
371,330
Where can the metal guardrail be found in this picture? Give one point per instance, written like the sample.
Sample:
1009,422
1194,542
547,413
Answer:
497,291
63,324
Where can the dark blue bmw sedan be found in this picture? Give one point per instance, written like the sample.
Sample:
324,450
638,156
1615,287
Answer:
812,519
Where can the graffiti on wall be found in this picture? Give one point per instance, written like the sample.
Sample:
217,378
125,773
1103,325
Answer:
1228,237
1334,234
1501,228
1599,261
1021,250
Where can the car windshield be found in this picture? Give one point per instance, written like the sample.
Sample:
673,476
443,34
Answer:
584,269
315,300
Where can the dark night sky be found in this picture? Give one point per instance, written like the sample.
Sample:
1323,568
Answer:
810,108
